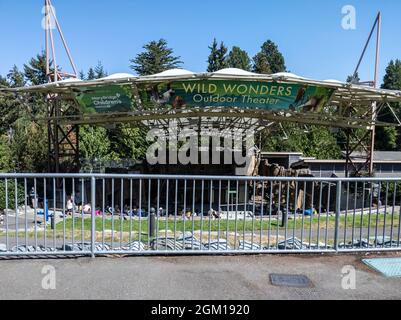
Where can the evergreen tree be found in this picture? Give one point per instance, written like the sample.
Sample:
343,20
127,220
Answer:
16,77
35,70
353,78
99,71
217,59
389,138
222,56
212,59
238,58
24,139
271,56
3,82
156,58
9,108
261,64
29,149
81,75
392,78
91,74
8,115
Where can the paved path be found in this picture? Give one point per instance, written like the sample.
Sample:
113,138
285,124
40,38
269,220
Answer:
219,277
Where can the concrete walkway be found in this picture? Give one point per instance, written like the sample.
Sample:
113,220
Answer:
218,277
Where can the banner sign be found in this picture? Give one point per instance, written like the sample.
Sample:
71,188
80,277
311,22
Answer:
111,98
264,95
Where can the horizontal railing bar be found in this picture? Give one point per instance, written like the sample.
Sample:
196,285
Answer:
197,252
192,177
38,253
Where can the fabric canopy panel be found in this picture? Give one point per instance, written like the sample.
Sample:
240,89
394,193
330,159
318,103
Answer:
227,93
263,95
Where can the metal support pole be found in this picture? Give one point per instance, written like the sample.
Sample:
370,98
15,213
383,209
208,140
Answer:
374,105
347,153
93,215
284,217
377,49
47,39
152,222
338,215
52,220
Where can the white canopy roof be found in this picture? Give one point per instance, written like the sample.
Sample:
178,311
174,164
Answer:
117,76
171,73
234,72
343,91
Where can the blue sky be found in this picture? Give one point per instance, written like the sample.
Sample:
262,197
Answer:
308,32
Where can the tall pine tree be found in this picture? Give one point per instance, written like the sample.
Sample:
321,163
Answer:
35,70
238,58
91,74
389,138
261,64
392,78
99,71
16,77
156,58
217,59
271,56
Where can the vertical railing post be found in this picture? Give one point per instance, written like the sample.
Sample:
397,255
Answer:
93,215
152,223
338,215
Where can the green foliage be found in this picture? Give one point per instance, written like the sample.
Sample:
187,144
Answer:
94,143
35,70
386,138
217,59
269,59
9,110
99,71
353,78
94,73
5,155
128,142
23,142
261,64
389,138
156,58
10,204
91,74
81,75
392,78
316,142
15,77
393,189
238,58
29,148
3,82
122,142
